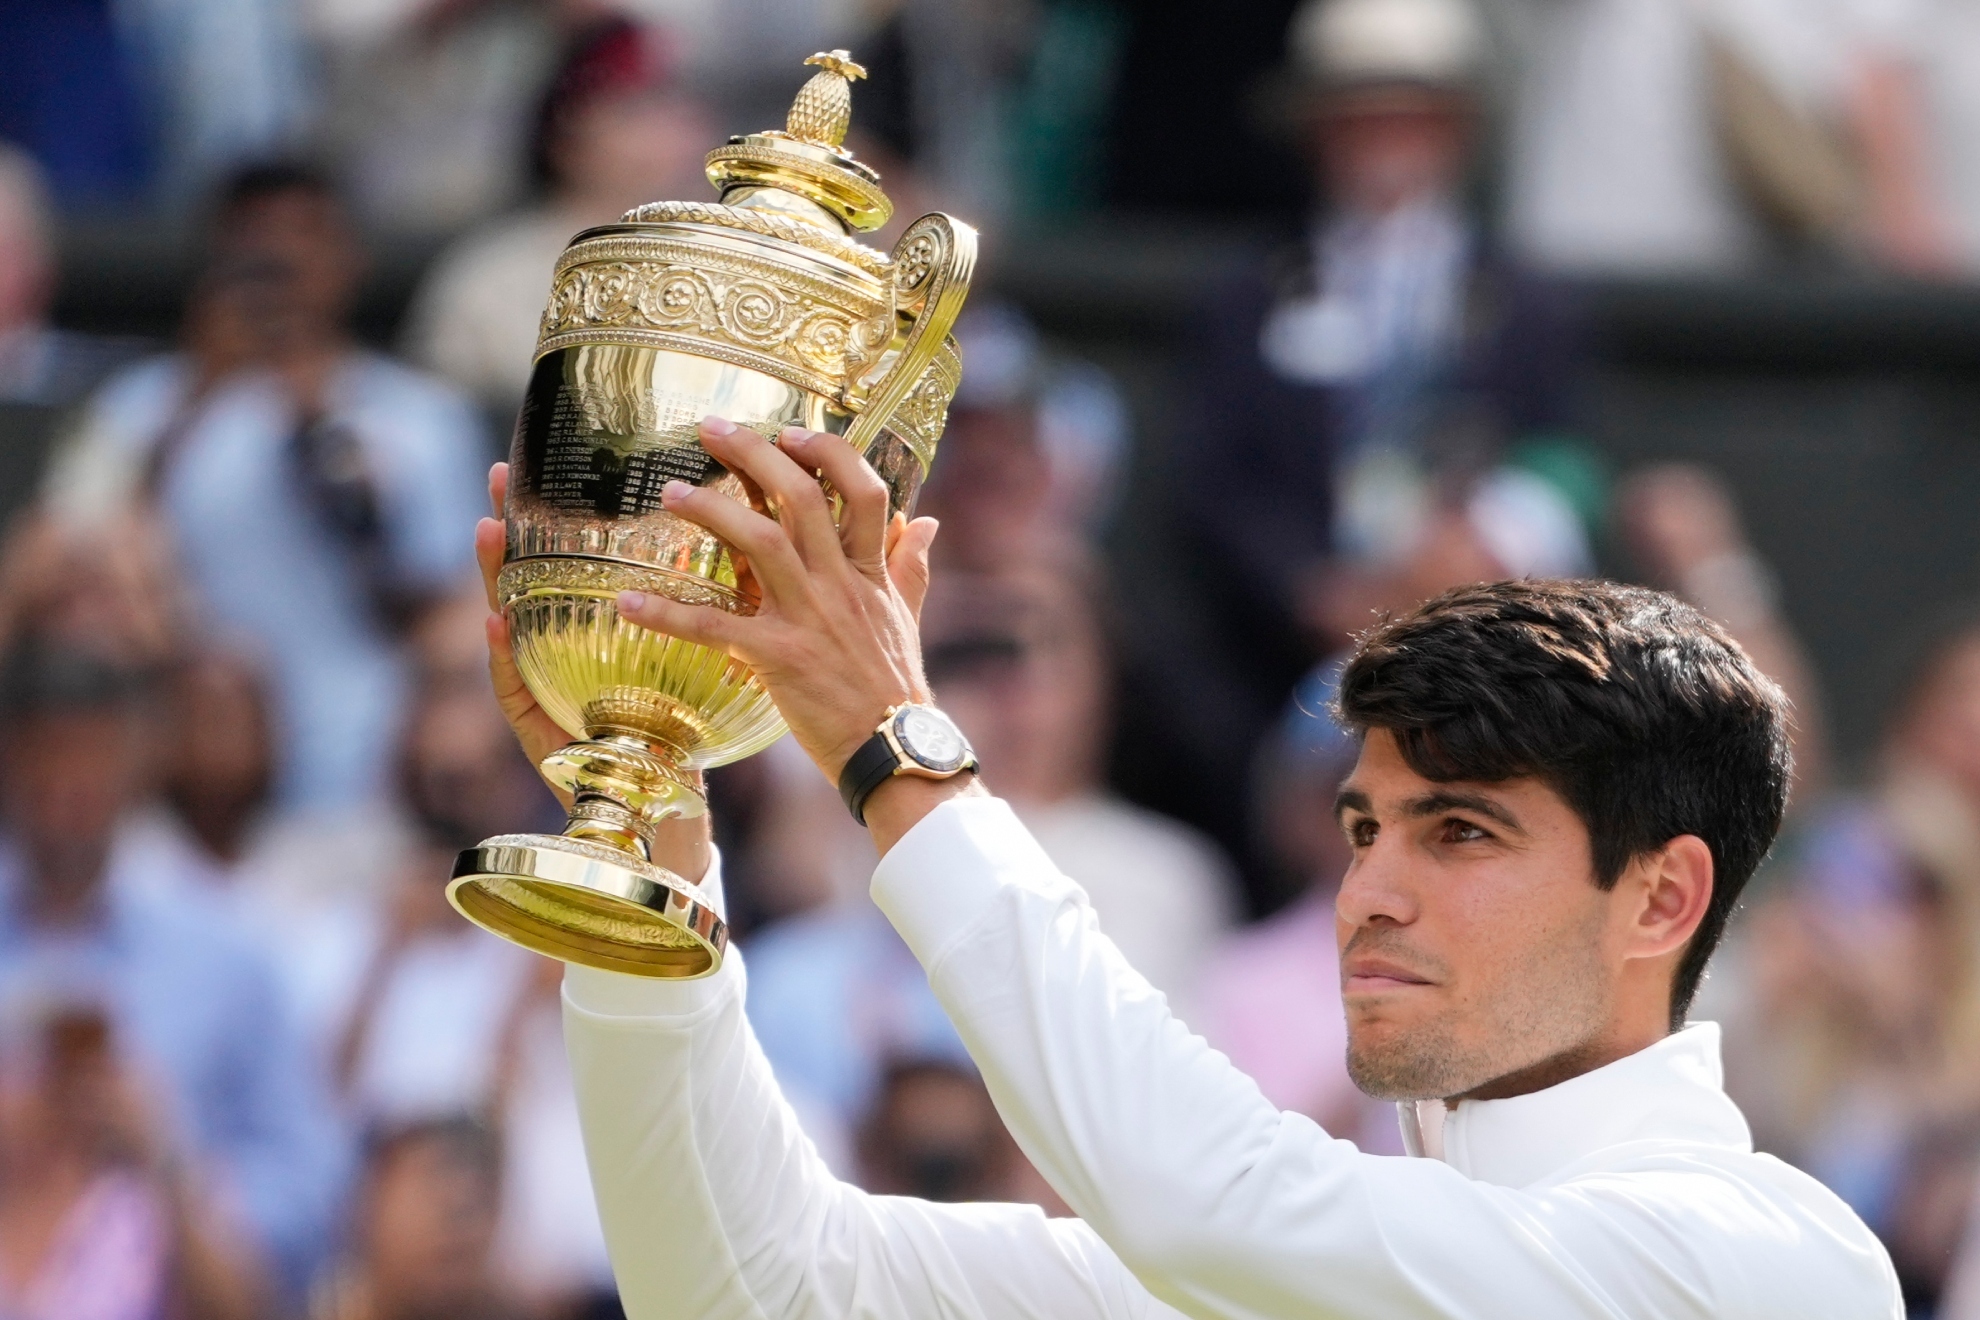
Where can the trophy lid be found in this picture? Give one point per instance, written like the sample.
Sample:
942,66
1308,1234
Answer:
803,170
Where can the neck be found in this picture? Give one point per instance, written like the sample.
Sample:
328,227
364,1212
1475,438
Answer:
1618,1043
222,828
66,890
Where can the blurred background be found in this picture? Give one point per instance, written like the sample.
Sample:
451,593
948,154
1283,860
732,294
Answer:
1290,313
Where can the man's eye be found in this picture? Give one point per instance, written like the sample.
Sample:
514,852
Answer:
1361,833
1462,831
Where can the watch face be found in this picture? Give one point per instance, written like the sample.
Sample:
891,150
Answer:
931,738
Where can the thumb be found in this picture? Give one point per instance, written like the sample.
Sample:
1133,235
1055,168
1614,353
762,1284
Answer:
907,563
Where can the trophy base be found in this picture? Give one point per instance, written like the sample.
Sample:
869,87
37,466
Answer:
590,903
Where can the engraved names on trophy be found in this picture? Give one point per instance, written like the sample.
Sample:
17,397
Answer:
610,452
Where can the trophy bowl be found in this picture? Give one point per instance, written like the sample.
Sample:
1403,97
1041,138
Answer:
761,308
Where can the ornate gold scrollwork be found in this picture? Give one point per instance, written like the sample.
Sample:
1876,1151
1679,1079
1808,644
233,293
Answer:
770,225
777,323
933,264
608,577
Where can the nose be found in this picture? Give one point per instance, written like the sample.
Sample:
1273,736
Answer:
1379,888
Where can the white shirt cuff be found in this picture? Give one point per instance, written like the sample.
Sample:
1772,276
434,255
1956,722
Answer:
945,872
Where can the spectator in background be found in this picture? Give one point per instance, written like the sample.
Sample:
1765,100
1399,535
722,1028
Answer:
1349,390
1707,138
421,1025
1398,341
98,1221
616,128
426,103
111,587
423,1229
1034,450
440,1018
318,493
934,1133
1683,532
229,1085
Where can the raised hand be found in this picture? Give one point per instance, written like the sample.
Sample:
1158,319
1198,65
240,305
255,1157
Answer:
681,846
835,639
535,730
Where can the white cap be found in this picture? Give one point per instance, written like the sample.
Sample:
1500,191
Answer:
1439,42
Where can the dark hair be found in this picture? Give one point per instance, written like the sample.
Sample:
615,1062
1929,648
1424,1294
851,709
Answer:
49,676
1643,714
260,180
611,55
463,1139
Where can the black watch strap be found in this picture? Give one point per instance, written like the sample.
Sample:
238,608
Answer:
865,770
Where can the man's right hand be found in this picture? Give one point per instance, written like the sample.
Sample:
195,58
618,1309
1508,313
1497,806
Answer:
535,730
682,846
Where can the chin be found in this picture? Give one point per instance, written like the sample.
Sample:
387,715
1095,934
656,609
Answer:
1391,1060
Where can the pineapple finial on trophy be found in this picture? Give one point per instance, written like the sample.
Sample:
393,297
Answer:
823,109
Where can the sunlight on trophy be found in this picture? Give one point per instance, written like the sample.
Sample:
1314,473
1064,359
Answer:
761,308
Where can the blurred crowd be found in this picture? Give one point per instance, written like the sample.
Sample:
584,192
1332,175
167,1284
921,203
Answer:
252,1065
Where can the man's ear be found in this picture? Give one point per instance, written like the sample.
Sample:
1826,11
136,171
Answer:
1675,884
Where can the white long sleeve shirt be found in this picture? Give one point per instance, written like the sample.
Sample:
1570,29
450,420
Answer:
1632,1190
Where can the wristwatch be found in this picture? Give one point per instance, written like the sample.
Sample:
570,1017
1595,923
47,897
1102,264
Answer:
912,740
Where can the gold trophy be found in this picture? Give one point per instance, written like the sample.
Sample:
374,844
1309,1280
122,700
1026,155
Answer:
761,308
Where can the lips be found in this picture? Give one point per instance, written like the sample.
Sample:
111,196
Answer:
1371,975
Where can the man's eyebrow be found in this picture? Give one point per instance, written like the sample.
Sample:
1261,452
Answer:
1351,799
1431,804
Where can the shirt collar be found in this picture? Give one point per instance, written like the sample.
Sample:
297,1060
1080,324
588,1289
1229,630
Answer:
1674,1091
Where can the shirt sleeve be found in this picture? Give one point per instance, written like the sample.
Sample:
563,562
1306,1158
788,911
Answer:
1225,1207
716,1207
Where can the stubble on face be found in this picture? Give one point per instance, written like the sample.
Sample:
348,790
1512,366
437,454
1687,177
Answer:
1544,1002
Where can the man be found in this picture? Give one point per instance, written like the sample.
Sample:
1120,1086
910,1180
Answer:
1346,391
292,465
1561,789
422,1242
221,1077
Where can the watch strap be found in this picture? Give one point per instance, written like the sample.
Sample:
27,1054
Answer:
865,770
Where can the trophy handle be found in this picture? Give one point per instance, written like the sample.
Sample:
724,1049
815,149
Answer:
933,263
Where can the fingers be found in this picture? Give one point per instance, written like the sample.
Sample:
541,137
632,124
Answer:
773,560
800,505
535,730
498,490
489,543
863,521
702,624
907,562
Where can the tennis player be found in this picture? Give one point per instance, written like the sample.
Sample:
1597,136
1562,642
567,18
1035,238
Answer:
1561,789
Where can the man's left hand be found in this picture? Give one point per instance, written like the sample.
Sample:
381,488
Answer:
835,639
